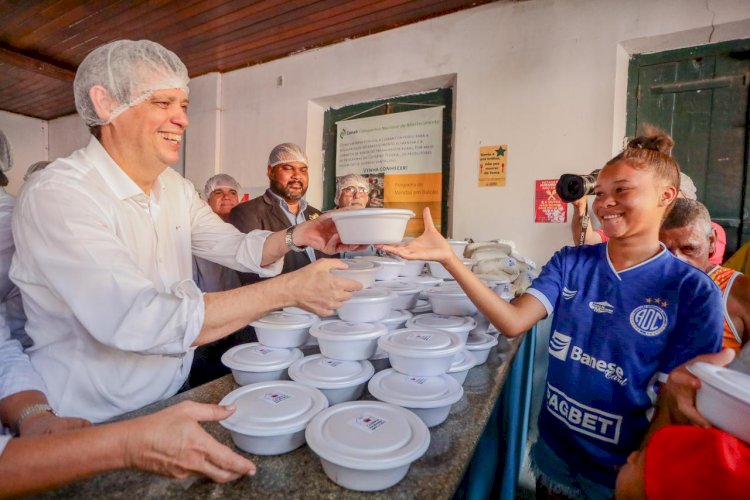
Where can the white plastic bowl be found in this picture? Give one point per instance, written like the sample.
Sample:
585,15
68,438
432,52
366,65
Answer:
338,380
397,319
462,363
458,246
282,329
724,398
479,345
407,293
271,416
423,306
371,225
380,360
503,287
253,362
389,266
460,325
450,301
429,397
424,281
421,351
360,270
412,268
348,341
369,305
439,271
367,445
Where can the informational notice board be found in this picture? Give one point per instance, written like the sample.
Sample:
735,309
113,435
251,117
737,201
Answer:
401,155
548,207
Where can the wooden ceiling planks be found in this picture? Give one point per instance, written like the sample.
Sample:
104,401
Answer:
208,35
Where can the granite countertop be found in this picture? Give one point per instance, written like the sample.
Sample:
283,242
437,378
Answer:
299,474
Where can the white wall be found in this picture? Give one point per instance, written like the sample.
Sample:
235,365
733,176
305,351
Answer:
28,141
67,134
546,77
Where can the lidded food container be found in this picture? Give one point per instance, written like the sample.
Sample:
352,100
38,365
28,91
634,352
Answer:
421,351
338,380
253,362
360,270
397,319
479,344
460,325
412,268
367,445
389,266
458,247
429,397
724,398
346,340
451,301
407,293
462,363
424,281
422,307
282,329
502,286
271,416
367,226
368,305
439,271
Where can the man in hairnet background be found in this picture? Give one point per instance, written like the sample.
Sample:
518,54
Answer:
352,190
105,239
282,205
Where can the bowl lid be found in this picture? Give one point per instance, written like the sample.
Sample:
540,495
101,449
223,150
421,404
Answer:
371,213
396,317
358,265
368,435
446,292
379,354
384,261
281,320
325,373
400,287
255,357
480,341
454,324
421,342
273,408
372,296
422,306
415,392
731,382
458,242
422,280
463,361
336,329
295,310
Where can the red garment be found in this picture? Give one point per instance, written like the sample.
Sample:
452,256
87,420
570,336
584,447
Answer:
686,462
721,244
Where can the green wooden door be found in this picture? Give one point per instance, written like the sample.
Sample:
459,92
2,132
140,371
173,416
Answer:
700,96
438,97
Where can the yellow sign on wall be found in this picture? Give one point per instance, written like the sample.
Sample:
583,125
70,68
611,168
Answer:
492,165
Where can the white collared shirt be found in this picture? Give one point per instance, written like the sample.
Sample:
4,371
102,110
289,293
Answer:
106,277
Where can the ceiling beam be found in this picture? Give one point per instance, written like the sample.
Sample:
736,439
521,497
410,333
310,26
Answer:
29,63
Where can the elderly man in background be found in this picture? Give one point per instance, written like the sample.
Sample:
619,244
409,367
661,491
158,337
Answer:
105,240
352,190
282,206
688,234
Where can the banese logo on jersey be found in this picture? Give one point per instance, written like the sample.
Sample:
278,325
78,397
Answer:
651,319
560,346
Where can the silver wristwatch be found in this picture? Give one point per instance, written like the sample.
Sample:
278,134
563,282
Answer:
290,243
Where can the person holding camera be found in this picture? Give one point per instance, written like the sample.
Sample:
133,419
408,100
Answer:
626,314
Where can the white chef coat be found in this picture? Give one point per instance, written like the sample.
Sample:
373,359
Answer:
105,273
16,373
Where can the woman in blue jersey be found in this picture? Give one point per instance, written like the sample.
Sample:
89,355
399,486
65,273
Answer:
626,313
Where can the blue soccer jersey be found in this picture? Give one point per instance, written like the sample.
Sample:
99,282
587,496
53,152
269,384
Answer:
614,336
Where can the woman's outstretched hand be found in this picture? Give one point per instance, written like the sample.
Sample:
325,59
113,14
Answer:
429,246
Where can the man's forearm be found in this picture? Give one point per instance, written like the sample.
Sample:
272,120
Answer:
274,248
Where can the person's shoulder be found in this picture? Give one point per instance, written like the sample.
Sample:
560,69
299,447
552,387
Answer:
580,253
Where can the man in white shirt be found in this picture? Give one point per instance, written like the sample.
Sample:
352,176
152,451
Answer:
105,239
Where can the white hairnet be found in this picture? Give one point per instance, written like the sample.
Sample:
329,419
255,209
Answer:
130,71
286,152
687,187
220,180
6,155
35,167
347,181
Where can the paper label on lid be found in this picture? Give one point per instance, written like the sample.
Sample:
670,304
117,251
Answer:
331,362
261,350
275,397
424,337
417,380
368,422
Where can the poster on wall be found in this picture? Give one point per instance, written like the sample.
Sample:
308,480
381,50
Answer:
401,156
548,207
492,165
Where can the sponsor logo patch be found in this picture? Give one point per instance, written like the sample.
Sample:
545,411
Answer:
611,371
602,307
649,320
559,344
568,294
581,418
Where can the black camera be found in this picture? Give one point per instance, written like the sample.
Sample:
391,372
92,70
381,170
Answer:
571,187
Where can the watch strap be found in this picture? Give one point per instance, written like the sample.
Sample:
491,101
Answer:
290,242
